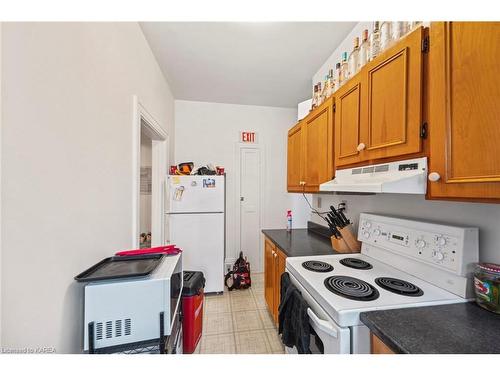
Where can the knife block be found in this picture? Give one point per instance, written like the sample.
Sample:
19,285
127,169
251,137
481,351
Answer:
348,243
338,244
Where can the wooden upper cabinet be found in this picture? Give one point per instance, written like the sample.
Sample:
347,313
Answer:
392,100
464,128
347,122
295,158
378,112
318,147
310,150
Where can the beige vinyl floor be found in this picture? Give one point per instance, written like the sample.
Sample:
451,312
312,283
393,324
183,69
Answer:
238,322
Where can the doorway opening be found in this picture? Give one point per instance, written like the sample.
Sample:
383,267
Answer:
150,160
145,177
249,205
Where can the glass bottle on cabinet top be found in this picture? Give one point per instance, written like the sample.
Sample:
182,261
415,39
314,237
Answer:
337,76
385,35
352,64
398,29
374,44
363,50
329,84
344,69
314,97
412,25
319,100
324,92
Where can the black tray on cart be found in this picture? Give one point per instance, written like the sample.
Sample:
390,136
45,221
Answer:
118,267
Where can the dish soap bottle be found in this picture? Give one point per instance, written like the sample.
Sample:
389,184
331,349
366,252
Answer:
289,220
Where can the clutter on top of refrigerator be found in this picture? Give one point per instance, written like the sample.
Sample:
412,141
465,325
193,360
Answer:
188,168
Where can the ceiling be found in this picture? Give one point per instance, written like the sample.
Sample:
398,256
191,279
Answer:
255,63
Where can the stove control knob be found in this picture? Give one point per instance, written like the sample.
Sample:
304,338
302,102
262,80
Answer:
420,244
366,234
438,255
368,224
441,241
376,232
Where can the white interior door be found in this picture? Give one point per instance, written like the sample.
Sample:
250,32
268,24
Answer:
250,184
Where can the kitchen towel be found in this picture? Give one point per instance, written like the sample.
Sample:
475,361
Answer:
293,319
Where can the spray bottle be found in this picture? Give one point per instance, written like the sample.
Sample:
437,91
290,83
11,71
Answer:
289,220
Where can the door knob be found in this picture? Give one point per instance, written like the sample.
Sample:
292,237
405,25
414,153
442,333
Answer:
361,146
434,176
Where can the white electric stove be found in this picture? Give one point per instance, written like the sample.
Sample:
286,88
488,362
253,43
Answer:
403,263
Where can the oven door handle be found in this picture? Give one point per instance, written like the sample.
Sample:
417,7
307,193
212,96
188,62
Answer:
324,325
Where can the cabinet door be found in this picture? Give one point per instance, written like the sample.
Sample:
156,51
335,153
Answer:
392,100
280,261
348,122
318,150
464,90
378,347
294,159
269,277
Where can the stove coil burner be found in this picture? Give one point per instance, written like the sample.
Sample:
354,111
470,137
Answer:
352,288
399,286
317,266
356,263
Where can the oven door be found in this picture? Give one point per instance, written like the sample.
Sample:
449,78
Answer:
173,344
326,336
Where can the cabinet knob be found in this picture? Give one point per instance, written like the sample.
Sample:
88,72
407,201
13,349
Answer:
434,176
275,255
361,146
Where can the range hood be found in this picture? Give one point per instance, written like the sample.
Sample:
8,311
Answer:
403,177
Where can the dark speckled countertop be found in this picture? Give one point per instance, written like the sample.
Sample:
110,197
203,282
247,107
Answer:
462,328
299,242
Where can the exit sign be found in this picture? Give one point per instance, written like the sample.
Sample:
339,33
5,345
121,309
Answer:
248,137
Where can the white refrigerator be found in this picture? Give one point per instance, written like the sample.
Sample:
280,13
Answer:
195,209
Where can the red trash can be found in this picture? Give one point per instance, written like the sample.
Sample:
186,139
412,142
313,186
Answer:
192,309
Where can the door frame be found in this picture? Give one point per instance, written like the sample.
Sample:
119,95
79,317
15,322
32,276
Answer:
237,185
142,119
1,250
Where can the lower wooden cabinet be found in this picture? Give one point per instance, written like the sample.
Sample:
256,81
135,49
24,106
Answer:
274,266
378,347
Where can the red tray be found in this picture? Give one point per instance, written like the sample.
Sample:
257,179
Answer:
169,250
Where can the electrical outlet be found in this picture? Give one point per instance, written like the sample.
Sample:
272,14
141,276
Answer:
319,202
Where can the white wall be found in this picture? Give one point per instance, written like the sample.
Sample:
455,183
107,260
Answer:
209,132
484,216
67,167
